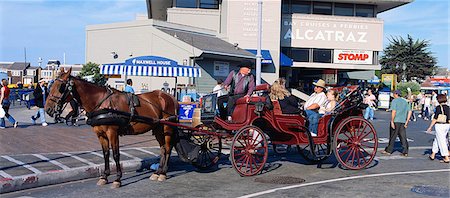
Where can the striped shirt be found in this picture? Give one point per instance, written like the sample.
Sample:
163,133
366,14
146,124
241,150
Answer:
316,98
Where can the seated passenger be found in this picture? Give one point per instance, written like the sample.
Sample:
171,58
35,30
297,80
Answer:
288,102
331,102
313,104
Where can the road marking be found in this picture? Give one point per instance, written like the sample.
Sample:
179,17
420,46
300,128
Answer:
4,174
54,162
145,151
342,179
96,154
27,166
78,158
130,156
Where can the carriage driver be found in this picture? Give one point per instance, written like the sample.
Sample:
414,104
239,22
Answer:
313,104
240,84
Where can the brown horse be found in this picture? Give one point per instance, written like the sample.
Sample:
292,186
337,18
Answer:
155,105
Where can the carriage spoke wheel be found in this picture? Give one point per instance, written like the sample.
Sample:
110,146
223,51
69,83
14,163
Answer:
249,151
210,149
355,143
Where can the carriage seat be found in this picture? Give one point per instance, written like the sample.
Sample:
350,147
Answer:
277,109
262,87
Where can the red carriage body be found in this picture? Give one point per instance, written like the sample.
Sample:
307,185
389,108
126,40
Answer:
344,132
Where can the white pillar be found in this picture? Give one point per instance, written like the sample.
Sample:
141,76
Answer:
258,51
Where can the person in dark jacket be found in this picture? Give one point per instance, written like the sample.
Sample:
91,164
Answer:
73,114
40,95
288,102
240,84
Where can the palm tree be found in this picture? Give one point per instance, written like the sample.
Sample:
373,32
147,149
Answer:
408,58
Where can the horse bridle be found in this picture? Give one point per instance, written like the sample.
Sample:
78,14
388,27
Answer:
68,90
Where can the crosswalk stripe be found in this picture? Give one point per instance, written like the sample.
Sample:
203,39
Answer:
130,156
27,166
145,151
78,158
97,154
4,174
54,162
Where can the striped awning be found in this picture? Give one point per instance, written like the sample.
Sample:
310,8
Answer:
143,70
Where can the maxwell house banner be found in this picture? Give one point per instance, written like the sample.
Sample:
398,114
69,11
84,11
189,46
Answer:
353,57
151,61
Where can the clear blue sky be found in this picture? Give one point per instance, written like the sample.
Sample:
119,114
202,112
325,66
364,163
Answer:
50,28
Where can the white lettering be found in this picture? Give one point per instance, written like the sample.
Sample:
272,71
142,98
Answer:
288,34
339,36
307,36
350,37
362,38
320,36
329,34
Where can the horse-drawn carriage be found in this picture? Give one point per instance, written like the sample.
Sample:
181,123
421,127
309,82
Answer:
343,132
112,113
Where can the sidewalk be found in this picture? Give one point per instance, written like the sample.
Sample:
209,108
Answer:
33,155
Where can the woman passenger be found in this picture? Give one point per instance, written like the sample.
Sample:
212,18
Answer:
331,102
288,102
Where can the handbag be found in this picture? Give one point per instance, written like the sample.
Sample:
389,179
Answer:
2,112
442,118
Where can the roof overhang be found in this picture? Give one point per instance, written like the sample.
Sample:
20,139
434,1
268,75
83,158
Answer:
382,5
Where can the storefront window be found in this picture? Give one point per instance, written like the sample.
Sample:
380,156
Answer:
209,4
300,54
285,4
322,8
186,3
365,10
303,7
322,55
342,9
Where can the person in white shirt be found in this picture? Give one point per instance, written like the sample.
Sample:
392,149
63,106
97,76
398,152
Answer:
313,104
370,101
219,88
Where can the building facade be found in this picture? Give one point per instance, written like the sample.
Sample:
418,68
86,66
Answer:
336,40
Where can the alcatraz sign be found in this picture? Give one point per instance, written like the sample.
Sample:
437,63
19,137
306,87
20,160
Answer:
353,57
335,33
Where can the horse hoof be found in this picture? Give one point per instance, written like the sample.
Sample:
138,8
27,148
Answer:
102,182
154,177
162,178
115,184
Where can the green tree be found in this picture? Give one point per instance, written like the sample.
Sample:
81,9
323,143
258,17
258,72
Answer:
412,54
403,87
93,69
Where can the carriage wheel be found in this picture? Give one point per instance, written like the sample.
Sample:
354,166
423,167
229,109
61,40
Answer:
210,149
249,151
355,143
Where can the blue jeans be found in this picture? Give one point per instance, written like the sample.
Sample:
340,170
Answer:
313,118
40,114
368,113
5,105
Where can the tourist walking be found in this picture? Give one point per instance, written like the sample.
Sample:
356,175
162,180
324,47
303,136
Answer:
5,103
370,101
400,115
129,86
40,95
441,124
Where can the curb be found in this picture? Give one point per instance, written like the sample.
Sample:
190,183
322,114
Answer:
62,176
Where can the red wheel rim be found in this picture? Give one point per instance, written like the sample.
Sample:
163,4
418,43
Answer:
355,143
249,151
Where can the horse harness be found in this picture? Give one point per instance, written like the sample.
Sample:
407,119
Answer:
107,116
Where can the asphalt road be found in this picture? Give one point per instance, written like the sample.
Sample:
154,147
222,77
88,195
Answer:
387,176
391,176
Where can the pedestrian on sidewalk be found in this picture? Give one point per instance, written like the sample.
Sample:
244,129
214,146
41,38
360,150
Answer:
442,127
370,101
400,115
72,116
5,103
40,95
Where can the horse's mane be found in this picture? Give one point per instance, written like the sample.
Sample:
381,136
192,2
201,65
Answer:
91,83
